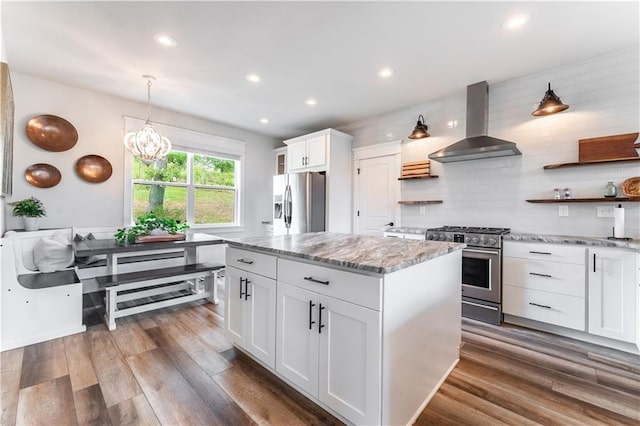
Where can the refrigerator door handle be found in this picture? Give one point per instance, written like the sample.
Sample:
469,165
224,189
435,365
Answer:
287,206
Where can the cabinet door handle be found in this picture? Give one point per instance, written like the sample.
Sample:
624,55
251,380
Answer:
320,325
541,306
540,252
311,305
316,281
302,160
306,161
540,275
241,292
246,288
248,262
594,262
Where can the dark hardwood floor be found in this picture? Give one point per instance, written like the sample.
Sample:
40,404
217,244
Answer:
175,366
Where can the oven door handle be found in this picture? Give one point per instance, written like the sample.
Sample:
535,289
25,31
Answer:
481,251
479,305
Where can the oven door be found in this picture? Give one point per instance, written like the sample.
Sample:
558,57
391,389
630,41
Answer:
481,274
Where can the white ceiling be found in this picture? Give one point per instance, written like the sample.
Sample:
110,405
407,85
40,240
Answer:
327,50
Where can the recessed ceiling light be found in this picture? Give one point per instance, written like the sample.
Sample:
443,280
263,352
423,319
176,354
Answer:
311,102
165,40
389,135
264,120
254,78
516,21
386,72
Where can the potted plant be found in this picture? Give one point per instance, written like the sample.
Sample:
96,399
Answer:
149,224
31,210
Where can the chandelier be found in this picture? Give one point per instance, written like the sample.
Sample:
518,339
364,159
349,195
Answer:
147,144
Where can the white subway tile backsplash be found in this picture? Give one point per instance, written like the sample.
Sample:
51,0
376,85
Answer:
603,94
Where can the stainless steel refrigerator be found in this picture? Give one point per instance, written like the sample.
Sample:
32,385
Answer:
298,203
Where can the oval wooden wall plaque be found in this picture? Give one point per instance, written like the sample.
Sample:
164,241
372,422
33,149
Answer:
42,175
52,133
93,168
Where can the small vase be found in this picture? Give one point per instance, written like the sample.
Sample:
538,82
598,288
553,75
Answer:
610,190
31,223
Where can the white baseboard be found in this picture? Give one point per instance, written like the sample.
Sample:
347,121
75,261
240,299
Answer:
41,338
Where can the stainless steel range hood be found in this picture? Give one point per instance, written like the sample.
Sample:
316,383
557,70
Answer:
477,144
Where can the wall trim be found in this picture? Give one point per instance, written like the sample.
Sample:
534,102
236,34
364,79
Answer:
378,150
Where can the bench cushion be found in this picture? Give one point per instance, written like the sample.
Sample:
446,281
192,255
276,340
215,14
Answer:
53,253
51,279
151,274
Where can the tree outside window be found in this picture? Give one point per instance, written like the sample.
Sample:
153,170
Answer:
188,187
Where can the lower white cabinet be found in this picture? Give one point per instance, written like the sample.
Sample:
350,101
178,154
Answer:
250,313
614,299
331,349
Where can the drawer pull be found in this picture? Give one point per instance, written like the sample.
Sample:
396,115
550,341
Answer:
540,252
540,275
248,262
316,281
541,306
311,305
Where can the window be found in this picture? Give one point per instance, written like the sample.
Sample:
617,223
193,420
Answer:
193,184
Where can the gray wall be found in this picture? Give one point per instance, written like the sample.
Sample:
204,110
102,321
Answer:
98,119
603,94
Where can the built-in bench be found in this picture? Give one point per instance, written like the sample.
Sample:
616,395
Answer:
198,280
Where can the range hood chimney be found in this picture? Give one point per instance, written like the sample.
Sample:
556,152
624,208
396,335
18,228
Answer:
477,144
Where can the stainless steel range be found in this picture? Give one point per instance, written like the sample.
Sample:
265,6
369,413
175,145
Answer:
481,269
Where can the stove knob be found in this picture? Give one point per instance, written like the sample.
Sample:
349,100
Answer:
484,241
493,241
443,237
467,239
429,237
449,237
475,240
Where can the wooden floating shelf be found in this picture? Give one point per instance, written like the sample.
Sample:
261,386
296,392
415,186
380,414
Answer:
418,177
587,200
417,203
586,163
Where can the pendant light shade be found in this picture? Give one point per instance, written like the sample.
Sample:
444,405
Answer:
146,143
420,130
550,104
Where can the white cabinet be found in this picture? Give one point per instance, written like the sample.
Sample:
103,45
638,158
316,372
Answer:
250,309
613,294
308,154
545,282
330,348
280,161
327,151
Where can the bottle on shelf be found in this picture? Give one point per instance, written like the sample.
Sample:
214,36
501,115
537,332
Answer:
610,190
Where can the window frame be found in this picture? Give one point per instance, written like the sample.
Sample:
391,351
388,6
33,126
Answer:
190,142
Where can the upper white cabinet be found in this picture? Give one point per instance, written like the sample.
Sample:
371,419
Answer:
613,294
308,154
327,151
280,160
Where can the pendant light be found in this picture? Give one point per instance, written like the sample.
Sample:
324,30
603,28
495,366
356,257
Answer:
420,131
146,143
550,104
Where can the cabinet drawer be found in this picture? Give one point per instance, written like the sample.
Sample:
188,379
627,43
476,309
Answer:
348,286
554,277
258,263
565,311
549,252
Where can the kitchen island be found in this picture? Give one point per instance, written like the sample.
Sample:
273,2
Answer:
367,327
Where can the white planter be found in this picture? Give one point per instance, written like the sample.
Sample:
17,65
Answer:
31,223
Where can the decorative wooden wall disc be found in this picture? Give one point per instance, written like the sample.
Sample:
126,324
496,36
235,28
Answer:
42,175
93,168
52,133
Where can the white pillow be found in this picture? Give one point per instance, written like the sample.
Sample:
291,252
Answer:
53,253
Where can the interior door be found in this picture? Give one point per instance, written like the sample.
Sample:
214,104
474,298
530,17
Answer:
377,194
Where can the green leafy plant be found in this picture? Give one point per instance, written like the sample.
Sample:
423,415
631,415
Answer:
148,224
30,207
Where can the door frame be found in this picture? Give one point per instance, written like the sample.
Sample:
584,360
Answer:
393,148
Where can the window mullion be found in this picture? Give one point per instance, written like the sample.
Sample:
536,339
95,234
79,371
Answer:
190,191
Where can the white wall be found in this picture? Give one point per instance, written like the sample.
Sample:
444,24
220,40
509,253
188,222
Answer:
98,120
603,94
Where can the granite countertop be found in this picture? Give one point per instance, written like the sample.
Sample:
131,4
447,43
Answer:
567,239
361,252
